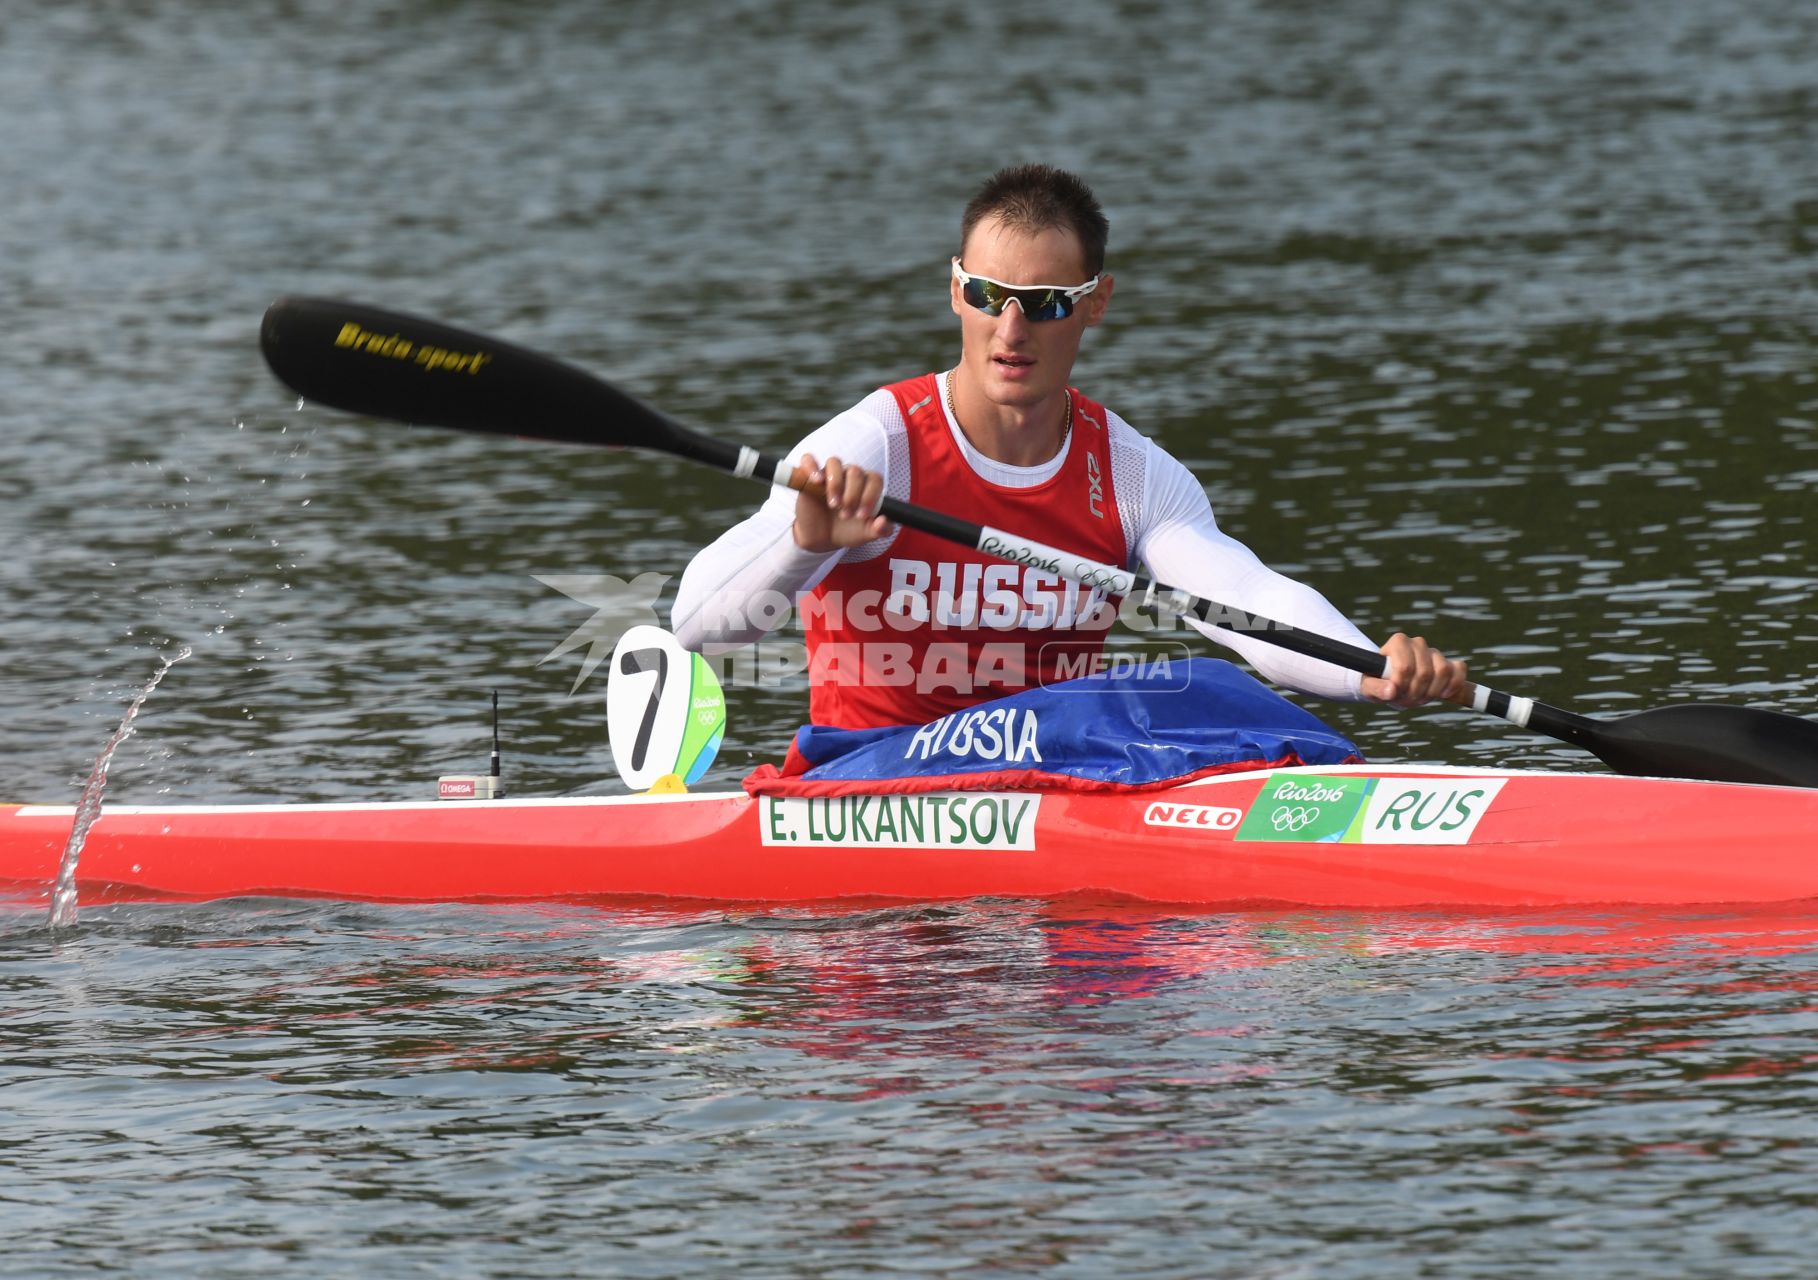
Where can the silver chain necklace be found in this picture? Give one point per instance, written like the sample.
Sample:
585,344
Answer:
1066,422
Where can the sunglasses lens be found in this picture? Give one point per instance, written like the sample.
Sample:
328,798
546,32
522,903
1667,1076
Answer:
986,296
1036,304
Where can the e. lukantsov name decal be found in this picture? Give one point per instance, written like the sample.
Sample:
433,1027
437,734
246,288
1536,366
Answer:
932,820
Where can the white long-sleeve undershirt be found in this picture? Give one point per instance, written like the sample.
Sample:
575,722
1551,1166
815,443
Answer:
1168,525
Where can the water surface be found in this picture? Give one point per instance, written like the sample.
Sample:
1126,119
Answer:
1493,324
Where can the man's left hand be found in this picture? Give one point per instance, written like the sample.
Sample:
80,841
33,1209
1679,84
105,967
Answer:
1417,673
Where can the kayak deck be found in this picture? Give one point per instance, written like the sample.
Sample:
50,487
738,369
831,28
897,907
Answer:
1359,836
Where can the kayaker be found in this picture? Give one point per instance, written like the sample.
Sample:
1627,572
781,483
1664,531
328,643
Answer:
903,627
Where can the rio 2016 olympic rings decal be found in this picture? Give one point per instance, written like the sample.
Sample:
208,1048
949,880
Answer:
1307,808
1294,818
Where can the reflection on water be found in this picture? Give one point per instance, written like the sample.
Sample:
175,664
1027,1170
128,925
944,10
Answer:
1001,1080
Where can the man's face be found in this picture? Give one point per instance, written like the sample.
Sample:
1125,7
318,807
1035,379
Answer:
1017,362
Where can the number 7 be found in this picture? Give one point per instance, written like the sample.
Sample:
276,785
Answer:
639,662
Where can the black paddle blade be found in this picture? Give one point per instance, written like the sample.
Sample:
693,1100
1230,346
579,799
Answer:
1714,743
386,364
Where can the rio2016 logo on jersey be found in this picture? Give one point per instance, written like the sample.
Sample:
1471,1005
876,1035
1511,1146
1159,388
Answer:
1333,809
665,713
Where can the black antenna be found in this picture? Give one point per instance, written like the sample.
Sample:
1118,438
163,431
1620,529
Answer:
495,733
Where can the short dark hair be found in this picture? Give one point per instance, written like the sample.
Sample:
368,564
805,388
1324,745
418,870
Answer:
1036,197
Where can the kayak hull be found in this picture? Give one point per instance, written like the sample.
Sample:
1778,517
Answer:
1366,837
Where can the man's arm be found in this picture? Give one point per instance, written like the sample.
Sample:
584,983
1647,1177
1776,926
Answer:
1184,547
730,594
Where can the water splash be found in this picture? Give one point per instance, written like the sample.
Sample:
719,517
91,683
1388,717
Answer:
88,808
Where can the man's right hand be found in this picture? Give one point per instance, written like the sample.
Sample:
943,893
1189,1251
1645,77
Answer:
846,515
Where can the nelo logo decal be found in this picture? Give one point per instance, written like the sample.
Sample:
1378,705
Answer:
1194,817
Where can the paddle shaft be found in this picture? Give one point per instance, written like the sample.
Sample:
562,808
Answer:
394,365
774,469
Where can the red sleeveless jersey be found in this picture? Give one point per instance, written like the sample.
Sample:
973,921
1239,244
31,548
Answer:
931,627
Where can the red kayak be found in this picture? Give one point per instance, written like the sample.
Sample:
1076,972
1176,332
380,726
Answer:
1365,836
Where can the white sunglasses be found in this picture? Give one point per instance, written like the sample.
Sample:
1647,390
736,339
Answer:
1036,301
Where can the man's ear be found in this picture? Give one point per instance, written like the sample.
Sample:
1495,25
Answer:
1098,298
